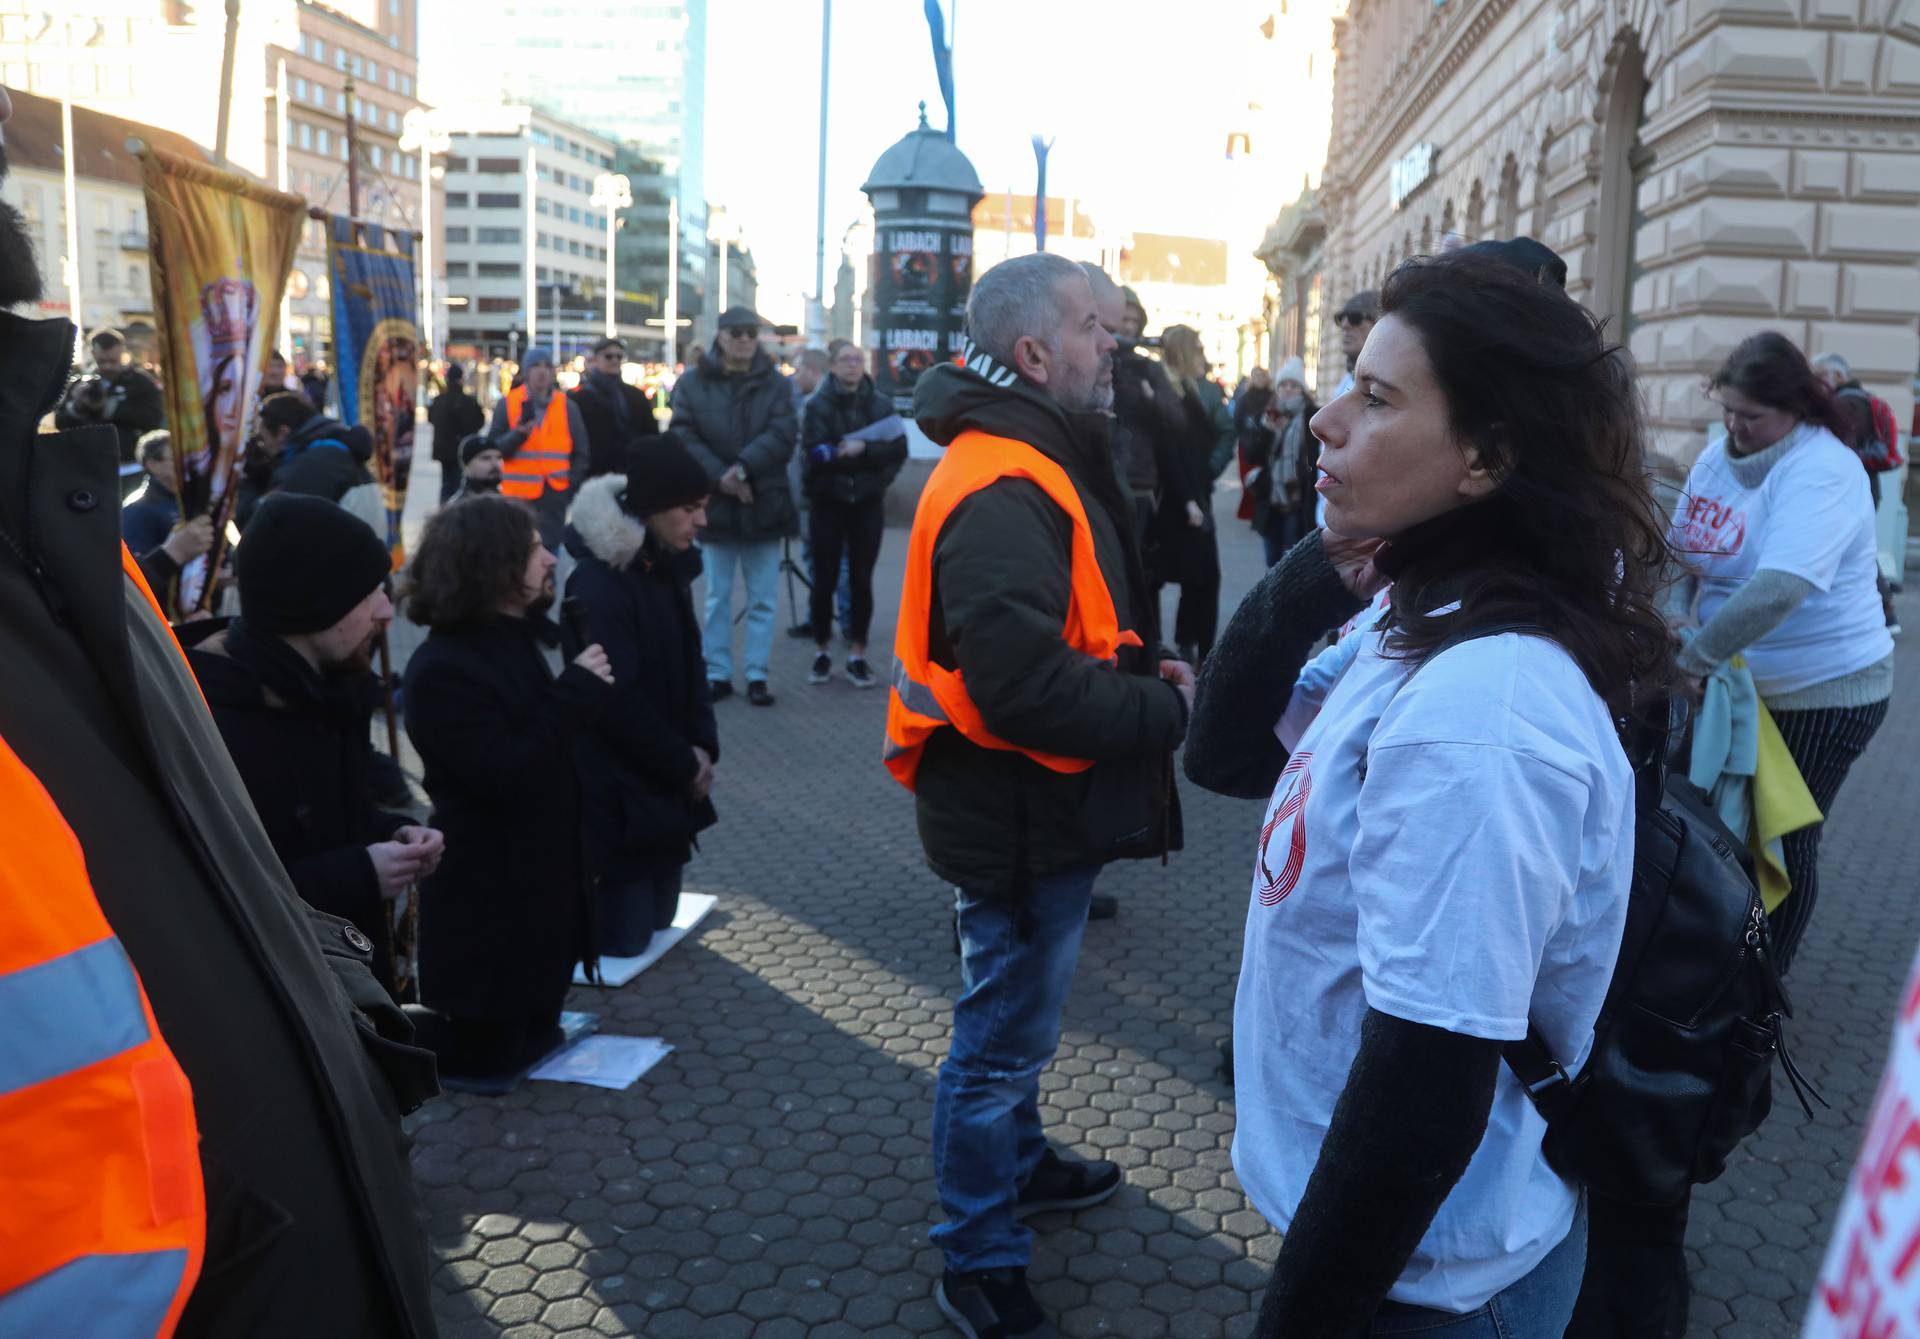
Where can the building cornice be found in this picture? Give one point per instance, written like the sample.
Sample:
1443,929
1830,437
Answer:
1425,79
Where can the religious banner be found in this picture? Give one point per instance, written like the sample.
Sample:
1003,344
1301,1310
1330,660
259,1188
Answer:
376,339
221,247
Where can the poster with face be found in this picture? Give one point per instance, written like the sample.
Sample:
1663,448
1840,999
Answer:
378,342
222,247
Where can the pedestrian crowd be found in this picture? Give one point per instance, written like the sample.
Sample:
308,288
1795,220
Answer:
1457,688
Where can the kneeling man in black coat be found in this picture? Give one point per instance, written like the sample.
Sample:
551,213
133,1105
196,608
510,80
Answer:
290,685
505,918
648,771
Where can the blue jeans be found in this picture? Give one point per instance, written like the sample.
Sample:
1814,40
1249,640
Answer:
759,563
1006,1027
1537,1307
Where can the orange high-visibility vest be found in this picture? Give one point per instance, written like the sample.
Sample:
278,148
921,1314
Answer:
926,697
103,1218
543,459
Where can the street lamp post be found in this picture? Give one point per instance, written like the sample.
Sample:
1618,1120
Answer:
418,134
718,225
673,280
613,193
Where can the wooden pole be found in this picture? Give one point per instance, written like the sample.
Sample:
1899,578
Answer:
225,117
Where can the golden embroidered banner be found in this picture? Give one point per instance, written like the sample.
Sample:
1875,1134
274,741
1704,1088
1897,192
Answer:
222,246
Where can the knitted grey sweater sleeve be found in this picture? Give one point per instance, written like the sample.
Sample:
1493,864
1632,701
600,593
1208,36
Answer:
1249,675
1756,609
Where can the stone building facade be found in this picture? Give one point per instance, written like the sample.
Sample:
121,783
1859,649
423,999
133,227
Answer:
1708,168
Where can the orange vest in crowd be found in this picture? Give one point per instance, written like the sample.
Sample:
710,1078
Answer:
103,1218
927,697
542,461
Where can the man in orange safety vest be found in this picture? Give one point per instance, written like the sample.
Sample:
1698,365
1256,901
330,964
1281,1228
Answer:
1036,732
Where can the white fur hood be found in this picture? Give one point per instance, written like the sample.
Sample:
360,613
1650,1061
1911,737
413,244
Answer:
609,533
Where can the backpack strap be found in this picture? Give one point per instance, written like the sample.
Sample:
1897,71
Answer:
1545,1080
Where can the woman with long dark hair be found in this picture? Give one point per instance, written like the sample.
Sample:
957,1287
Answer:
1447,847
1189,545
1775,533
506,916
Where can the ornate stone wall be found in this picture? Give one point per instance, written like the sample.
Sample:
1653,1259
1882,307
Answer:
1707,168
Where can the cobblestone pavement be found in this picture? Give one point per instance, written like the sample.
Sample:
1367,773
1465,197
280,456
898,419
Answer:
771,1178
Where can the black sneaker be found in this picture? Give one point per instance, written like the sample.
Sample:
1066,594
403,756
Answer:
822,669
1059,1183
859,674
1103,907
758,694
719,689
799,630
992,1304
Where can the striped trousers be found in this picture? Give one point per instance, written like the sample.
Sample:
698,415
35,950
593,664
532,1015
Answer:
1824,743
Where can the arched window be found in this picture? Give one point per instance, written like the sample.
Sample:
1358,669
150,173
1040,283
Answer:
1507,217
1620,163
1476,210
1446,222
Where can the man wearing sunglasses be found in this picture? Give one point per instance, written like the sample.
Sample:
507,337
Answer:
735,413
1354,321
615,413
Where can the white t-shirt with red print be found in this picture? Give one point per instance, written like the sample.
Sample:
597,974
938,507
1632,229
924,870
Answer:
1453,848
1811,516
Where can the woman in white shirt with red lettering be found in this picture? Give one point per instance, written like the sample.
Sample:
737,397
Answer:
1776,534
1449,835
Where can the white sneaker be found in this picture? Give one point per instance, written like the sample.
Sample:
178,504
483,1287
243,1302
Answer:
822,671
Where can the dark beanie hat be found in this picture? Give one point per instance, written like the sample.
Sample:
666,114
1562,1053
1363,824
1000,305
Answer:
473,444
1525,255
304,563
661,475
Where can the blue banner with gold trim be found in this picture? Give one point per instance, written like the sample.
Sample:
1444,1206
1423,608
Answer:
376,338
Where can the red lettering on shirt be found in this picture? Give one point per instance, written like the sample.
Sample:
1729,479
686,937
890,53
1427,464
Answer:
1713,528
1296,785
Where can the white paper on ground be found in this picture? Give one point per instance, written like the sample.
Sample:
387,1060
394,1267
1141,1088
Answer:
692,910
603,1061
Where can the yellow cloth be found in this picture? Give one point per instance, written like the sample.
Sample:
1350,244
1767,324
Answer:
1781,804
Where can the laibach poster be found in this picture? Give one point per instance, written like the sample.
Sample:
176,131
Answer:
221,247
923,272
377,343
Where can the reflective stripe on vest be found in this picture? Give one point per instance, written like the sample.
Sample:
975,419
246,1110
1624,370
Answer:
544,459
102,1211
926,697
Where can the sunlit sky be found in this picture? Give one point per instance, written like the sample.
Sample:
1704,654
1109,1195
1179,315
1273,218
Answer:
1138,96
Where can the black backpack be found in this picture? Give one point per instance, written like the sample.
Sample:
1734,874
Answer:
1682,1061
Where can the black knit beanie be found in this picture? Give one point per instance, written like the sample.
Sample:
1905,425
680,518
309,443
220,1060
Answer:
661,475
304,563
473,444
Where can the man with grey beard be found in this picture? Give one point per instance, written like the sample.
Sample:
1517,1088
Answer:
1036,730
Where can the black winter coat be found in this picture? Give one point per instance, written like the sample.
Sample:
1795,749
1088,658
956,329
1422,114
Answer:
606,444
831,413
304,748
455,416
991,820
635,769
324,458
1259,445
297,1058
504,918
1152,426
748,417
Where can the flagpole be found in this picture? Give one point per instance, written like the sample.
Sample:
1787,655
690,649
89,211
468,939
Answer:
820,205
225,119
285,341
953,79
70,184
